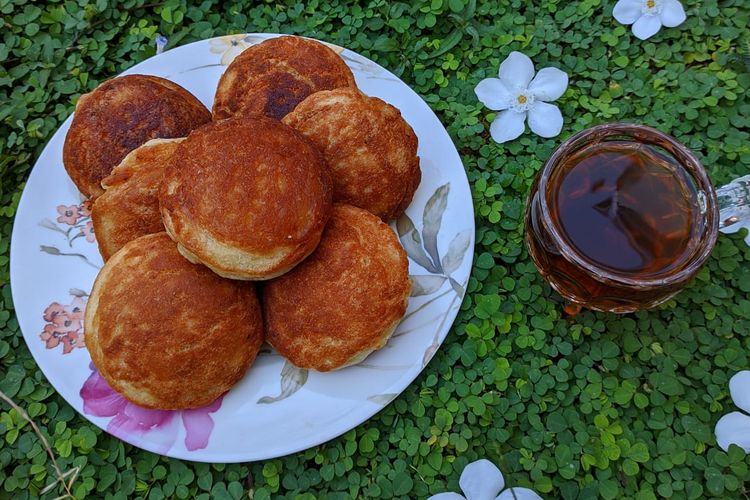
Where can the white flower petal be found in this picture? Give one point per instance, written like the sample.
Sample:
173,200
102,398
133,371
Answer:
518,494
732,228
627,11
493,94
446,496
733,428
507,126
739,388
549,84
481,480
646,27
545,119
516,71
672,13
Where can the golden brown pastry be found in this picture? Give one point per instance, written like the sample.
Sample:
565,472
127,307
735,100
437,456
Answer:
168,334
120,115
271,78
369,147
247,197
129,207
345,300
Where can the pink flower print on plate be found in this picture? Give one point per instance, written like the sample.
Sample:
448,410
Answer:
88,232
64,325
71,341
85,208
69,214
75,310
131,422
53,311
50,336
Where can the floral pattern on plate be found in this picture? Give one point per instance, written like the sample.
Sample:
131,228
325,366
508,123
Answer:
64,323
64,326
160,426
421,247
74,224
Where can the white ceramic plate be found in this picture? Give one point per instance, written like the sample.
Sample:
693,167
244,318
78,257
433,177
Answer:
276,409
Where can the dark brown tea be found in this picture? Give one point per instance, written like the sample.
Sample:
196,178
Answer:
627,208
621,218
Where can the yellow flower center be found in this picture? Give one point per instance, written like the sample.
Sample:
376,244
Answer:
650,4
522,98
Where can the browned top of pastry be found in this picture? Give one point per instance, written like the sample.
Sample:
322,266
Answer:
129,207
248,197
272,77
369,147
120,115
166,333
345,300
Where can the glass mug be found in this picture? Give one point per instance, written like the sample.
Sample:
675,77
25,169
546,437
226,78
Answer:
621,218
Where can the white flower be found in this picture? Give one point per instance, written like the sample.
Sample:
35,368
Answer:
648,16
481,480
741,221
517,93
734,206
734,428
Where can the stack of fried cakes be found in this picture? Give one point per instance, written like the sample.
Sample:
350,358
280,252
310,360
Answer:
288,183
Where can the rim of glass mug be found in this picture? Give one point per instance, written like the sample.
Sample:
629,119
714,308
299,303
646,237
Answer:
651,136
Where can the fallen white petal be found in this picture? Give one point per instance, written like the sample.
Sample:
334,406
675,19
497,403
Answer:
545,119
549,84
646,27
481,480
733,428
739,389
733,228
493,94
627,11
518,494
516,71
446,496
507,126
672,14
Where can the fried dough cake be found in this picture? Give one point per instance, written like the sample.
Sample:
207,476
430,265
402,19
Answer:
271,78
369,147
345,300
248,197
120,115
168,334
129,207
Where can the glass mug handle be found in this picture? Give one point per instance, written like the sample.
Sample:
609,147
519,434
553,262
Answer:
734,203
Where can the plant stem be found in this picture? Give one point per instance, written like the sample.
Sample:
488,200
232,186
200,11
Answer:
60,476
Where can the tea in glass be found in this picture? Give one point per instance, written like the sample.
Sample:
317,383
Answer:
621,218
